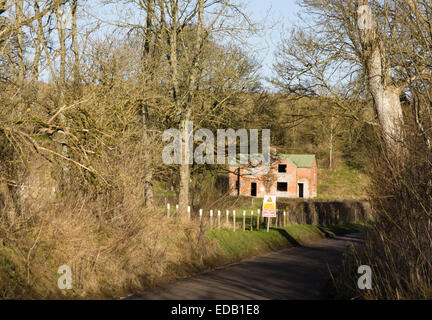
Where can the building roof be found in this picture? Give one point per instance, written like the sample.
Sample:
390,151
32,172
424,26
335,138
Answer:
299,160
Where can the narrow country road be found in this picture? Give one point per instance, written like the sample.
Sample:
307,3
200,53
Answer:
293,273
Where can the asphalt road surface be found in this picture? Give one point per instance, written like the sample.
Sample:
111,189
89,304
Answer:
290,274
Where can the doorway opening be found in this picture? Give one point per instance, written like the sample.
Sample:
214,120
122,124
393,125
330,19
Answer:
301,190
253,189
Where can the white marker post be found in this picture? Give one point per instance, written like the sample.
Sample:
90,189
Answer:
219,216
200,214
251,220
234,220
177,207
189,212
211,219
284,223
168,210
244,220
227,218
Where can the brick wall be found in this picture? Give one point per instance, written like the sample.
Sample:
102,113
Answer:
267,184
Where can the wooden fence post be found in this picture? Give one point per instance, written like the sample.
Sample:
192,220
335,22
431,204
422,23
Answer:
284,223
251,224
244,220
227,218
258,220
234,221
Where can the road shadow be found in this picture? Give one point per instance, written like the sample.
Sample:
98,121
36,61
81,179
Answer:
287,236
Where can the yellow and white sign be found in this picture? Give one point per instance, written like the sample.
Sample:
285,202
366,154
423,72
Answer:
269,206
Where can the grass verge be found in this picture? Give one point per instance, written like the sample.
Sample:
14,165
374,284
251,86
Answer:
239,245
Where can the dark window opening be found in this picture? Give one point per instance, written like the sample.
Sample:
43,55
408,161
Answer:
253,189
282,186
282,168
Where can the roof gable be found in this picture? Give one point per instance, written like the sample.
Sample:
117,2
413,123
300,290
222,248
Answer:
299,160
296,160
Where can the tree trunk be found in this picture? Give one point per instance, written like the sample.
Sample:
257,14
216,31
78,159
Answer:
386,95
38,44
148,177
184,170
146,58
389,110
64,149
20,35
76,64
62,41
184,167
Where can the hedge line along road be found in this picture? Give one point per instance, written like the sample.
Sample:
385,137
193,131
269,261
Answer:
294,273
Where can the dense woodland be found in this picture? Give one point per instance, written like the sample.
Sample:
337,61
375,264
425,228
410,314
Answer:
84,102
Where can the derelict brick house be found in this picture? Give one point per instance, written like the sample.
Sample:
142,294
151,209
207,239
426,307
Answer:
290,176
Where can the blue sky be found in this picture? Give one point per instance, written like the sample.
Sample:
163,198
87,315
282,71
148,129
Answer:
275,15
278,15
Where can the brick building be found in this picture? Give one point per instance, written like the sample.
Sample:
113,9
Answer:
290,176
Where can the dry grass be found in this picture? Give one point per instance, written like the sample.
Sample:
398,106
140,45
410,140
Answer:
399,247
54,212
109,258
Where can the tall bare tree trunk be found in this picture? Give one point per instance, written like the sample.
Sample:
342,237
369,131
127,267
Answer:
62,41
184,172
38,44
147,80
75,48
20,38
386,95
185,166
61,30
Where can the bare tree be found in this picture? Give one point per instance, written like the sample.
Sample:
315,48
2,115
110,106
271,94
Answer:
74,31
176,36
352,45
19,4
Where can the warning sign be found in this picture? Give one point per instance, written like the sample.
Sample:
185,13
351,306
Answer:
269,206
